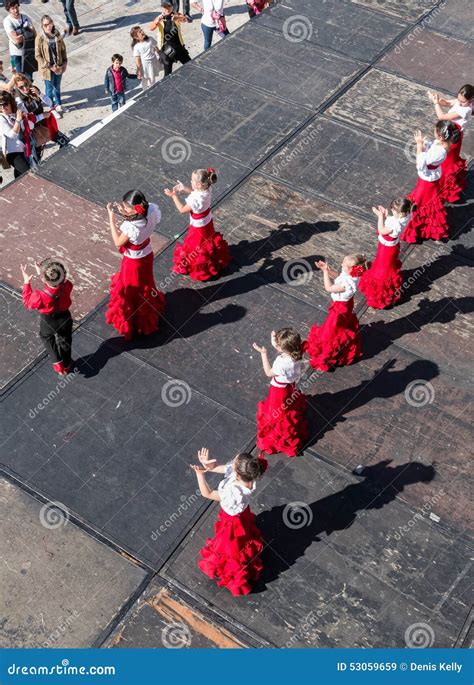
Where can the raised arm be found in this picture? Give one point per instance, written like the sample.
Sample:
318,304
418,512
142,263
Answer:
329,287
118,237
204,488
265,362
209,464
173,194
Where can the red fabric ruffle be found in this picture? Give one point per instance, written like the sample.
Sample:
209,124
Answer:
233,554
381,283
429,218
135,305
337,341
202,255
454,171
281,421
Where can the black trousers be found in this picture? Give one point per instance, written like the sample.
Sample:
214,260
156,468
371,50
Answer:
182,55
56,334
175,4
19,163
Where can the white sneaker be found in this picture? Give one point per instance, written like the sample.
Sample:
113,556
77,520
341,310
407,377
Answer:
59,108
57,114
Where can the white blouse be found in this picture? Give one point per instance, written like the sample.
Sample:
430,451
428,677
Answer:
10,141
234,495
200,201
287,370
349,284
397,227
464,112
208,6
139,231
434,153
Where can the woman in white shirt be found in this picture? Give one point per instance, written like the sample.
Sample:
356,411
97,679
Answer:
233,554
429,219
204,253
337,341
11,129
135,305
382,283
212,20
281,418
454,167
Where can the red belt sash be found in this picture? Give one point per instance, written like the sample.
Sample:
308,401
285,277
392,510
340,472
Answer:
202,215
134,248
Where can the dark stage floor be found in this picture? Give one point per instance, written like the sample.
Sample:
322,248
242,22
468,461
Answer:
311,134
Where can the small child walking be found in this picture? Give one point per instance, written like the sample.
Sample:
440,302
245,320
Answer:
233,554
281,421
53,304
115,82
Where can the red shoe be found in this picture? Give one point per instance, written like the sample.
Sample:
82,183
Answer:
58,367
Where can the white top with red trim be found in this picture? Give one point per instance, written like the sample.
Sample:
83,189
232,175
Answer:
349,284
200,202
397,227
287,370
139,231
464,112
234,496
433,155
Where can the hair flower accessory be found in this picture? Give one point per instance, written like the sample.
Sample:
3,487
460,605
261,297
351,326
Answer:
357,271
139,209
211,170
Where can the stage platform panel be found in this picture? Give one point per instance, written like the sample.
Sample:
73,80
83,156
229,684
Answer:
335,25
453,18
417,59
343,165
461,220
302,73
335,574
110,447
409,10
394,406
278,234
73,229
204,108
106,175
365,104
207,332
61,585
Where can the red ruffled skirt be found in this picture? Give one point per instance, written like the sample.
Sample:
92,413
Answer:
203,254
233,554
135,305
337,341
454,171
281,421
381,283
429,218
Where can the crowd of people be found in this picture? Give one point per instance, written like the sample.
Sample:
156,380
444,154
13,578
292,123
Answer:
135,304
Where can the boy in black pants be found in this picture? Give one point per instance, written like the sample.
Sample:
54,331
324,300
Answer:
53,304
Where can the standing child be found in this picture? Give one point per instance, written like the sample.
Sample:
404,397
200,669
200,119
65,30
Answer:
233,554
53,304
454,167
382,282
337,342
135,305
429,218
204,252
115,82
281,420
145,52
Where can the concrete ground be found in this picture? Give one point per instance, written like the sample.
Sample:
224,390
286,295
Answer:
105,29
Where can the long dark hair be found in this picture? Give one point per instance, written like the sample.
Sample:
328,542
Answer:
133,33
448,131
249,467
136,197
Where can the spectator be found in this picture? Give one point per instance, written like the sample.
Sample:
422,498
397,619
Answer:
72,22
3,78
21,32
52,61
11,128
212,20
256,7
145,52
186,10
116,82
172,47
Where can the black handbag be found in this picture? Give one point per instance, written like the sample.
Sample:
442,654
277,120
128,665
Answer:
169,52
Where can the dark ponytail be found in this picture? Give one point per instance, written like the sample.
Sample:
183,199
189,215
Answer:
447,131
402,205
136,197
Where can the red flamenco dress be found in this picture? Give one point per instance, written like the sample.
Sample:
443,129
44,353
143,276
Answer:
204,253
454,172
233,554
381,284
429,218
135,305
337,341
281,419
